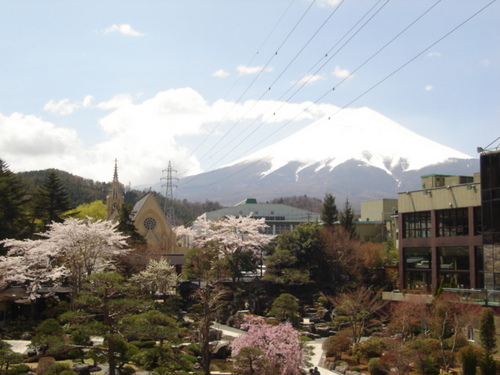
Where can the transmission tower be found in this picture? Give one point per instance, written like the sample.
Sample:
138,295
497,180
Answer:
168,208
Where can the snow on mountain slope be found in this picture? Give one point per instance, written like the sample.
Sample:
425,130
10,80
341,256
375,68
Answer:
361,134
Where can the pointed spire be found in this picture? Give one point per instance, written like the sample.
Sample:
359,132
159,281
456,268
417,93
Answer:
115,176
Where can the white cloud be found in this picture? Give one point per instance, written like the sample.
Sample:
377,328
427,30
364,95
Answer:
328,3
28,142
124,29
486,62
341,73
144,135
428,88
246,70
221,73
65,107
117,101
310,78
434,54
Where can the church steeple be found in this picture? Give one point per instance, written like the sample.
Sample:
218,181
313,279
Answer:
115,199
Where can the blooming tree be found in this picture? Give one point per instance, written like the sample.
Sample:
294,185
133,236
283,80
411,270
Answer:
31,263
75,248
278,348
233,233
158,277
237,240
184,235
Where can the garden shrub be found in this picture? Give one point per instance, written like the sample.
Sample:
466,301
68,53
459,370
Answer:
371,348
59,368
374,367
335,345
20,369
469,361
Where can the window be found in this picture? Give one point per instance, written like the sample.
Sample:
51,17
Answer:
470,333
417,258
149,223
478,220
452,222
454,258
417,224
280,228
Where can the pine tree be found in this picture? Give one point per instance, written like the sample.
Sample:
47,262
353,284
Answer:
51,200
13,205
347,219
127,227
487,335
329,214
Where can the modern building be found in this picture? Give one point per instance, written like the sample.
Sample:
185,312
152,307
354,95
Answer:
278,217
440,234
377,221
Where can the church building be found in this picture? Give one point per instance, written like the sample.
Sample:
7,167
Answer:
148,217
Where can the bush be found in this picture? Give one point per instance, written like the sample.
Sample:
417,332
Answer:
59,369
20,369
375,368
469,361
371,348
127,370
335,345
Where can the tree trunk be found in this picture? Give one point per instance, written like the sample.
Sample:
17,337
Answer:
111,355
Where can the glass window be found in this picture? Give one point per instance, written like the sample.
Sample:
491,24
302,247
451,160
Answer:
280,228
454,258
478,220
452,222
417,258
417,224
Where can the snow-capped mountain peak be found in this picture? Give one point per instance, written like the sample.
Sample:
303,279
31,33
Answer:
360,134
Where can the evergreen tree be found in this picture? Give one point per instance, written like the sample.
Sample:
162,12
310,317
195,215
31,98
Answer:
51,200
13,205
329,214
487,335
127,227
347,219
103,308
487,332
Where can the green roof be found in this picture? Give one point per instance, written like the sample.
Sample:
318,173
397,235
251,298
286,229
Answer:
247,201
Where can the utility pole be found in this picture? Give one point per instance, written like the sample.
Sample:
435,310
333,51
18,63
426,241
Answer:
168,208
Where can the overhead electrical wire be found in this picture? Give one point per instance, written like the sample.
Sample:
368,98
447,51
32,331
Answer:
239,77
253,81
286,101
304,82
370,88
267,90
343,80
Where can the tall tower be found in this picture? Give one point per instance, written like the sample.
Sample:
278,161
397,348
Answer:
115,199
169,195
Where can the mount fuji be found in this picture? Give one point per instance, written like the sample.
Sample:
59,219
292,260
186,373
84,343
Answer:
357,154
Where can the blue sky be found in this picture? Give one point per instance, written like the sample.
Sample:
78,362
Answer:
201,83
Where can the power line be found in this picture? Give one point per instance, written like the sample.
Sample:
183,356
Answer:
375,85
303,83
263,69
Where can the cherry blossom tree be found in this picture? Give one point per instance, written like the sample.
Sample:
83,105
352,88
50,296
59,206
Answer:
75,248
31,263
184,235
278,348
159,277
238,240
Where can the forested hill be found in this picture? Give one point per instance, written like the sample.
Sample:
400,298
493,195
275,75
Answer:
83,190
80,190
